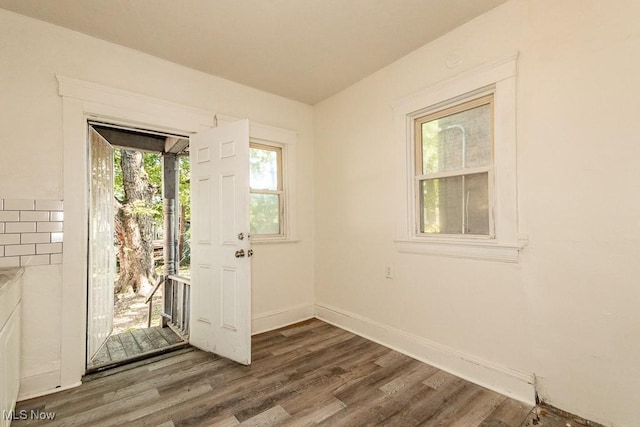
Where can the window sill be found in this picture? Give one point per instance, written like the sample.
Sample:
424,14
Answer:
273,240
487,250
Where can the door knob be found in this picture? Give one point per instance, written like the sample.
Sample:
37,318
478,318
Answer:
250,253
240,253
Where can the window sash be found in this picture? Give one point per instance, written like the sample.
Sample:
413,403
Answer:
278,151
419,213
420,177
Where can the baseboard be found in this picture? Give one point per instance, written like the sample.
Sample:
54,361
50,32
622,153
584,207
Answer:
512,383
279,318
41,384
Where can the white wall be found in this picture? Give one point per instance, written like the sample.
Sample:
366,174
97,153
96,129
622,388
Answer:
31,163
568,311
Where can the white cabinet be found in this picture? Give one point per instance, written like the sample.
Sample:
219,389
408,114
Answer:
10,318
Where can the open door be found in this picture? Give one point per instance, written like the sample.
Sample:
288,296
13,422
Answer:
220,249
101,251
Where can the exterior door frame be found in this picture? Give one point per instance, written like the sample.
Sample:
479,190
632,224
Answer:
83,101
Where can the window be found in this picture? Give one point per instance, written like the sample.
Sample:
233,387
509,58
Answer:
453,171
266,189
457,189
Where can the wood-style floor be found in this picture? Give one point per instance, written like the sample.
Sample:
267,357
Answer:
308,374
134,344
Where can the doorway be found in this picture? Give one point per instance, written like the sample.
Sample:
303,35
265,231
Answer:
139,215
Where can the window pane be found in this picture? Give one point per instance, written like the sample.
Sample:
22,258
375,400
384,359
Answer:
442,205
476,190
263,169
455,205
265,213
460,140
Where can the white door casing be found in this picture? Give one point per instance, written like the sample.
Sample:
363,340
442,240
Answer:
101,250
220,267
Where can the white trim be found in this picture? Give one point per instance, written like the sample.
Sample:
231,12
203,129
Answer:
41,383
279,318
27,396
510,382
82,101
142,109
485,249
262,131
288,140
498,78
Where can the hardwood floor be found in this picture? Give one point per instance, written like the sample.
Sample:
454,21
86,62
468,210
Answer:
134,344
309,374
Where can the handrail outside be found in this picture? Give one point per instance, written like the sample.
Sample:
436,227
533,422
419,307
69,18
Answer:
149,300
155,288
181,279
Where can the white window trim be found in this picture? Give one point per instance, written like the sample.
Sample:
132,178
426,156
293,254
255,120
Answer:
500,78
287,140
279,149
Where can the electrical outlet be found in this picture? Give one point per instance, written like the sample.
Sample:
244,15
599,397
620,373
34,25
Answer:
388,271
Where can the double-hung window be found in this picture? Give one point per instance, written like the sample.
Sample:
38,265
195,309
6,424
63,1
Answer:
266,190
457,189
453,170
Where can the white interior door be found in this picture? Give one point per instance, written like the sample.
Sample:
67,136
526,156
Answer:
102,258
220,267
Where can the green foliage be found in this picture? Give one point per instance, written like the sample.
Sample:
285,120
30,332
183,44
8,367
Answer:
430,187
265,214
152,163
263,169
185,185
264,206
118,185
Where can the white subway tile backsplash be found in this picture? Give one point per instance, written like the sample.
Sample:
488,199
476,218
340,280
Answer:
20,227
9,216
57,216
30,260
13,261
9,239
34,216
48,205
49,248
19,205
16,250
35,238
31,232
50,227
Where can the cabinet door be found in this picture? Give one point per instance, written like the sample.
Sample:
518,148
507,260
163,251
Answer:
9,365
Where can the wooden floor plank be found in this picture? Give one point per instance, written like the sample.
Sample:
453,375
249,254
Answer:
156,338
116,349
508,413
311,374
169,335
131,347
133,344
142,340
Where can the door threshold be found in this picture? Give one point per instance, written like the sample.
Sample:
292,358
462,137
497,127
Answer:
138,360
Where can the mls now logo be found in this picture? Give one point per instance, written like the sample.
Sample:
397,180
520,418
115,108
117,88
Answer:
28,415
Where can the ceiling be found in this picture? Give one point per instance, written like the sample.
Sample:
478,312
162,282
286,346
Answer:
305,50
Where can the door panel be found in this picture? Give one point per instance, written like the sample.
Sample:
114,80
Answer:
221,281
101,251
